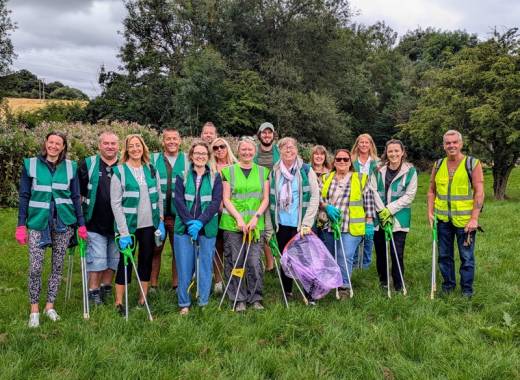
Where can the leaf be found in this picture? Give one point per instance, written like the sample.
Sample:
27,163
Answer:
508,321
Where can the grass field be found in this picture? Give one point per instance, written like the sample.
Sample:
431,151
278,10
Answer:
368,337
17,105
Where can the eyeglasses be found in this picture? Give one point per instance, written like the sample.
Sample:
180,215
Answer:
219,147
344,159
200,154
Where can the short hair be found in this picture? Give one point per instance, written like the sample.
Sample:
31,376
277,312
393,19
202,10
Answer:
452,132
194,144
373,149
63,153
106,133
209,124
342,150
287,140
171,129
246,139
145,159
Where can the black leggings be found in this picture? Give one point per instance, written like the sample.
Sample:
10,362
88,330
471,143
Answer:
284,234
146,242
380,245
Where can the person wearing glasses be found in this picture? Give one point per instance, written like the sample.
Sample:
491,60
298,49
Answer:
198,195
95,174
246,197
49,209
294,199
137,205
348,202
222,156
169,163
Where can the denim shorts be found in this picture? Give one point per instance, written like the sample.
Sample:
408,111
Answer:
102,253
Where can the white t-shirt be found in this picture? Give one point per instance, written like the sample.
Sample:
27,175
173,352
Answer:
366,167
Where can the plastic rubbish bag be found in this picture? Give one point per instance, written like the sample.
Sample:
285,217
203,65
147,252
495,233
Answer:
308,260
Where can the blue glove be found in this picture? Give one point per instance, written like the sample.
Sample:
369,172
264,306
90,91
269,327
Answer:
125,241
332,212
369,230
163,231
194,228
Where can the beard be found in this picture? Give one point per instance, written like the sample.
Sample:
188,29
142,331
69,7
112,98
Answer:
265,143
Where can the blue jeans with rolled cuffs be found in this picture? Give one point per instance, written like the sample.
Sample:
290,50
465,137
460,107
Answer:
350,244
186,261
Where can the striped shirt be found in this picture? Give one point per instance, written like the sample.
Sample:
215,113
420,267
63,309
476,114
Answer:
339,196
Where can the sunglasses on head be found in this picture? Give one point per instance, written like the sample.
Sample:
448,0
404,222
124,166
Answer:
344,159
217,147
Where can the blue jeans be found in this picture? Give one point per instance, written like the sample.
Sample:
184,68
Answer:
102,253
367,245
186,260
350,244
446,234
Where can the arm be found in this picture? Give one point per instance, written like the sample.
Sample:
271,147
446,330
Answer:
477,177
314,202
180,203
216,199
24,197
431,197
116,201
407,199
76,200
83,178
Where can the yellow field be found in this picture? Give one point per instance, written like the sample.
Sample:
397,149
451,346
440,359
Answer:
17,105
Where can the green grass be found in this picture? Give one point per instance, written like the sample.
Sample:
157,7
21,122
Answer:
368,337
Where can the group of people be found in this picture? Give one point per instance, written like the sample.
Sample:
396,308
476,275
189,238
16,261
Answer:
211,203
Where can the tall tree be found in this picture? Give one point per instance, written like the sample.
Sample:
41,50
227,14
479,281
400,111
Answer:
477,93
6,46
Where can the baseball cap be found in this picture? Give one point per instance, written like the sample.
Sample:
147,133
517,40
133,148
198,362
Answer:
264,126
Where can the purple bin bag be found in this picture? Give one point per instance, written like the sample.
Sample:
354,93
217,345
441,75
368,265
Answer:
308,260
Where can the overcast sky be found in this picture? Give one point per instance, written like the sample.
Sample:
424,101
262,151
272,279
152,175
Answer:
68,40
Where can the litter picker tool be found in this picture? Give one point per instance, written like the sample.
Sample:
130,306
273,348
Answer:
336,232
390,236
434,258
275,250
239,272
82,244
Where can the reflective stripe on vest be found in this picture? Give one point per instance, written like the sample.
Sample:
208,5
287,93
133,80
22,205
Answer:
89,201
180,167
454,197
47,187
246,195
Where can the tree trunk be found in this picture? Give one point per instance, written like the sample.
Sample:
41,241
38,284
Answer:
501,172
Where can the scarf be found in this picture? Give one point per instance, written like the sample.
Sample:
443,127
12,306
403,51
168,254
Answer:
285,196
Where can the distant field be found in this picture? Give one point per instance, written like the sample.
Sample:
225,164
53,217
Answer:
17,105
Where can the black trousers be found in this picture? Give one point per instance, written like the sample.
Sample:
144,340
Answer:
146,243
379,243
284,234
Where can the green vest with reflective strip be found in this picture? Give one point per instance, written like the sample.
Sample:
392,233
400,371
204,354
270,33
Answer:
206,195
46,187
397,190
246,195
454,198
356,211
305,188
131,195
89,201
371,167
179,168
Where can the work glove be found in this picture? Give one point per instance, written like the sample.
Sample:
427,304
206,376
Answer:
273,243
21,235
385,216
369,230
82,232
162,230
332,212
305,230
125,241
194,227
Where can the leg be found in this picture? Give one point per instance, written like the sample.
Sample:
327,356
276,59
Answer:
169,223
367,252
218,262
185,258
254,273
60,242
35,269
467,262
379,243
96,264
206,252
446,237
120,279
232,252
107,276
350,244
146,239
399,239
283,236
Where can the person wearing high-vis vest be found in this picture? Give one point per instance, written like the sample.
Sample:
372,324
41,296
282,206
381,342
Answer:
246,197
95,173
198,194
364,160
294,198
456,197
394,186
346,196
169,164
137,205
48,212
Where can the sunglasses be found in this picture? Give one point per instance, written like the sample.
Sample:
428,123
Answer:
219,147
344,159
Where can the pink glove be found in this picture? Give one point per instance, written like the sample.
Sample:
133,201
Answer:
21,235
82,232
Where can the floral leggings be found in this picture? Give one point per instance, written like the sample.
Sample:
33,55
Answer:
60,242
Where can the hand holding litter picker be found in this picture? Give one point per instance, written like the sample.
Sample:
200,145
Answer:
82,245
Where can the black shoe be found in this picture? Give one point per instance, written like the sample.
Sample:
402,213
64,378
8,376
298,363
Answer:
105,293
120,310
94,297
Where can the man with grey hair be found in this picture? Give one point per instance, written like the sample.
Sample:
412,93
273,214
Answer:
455,199
95,173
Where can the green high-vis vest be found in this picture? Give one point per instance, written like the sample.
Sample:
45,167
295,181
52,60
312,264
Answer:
179,168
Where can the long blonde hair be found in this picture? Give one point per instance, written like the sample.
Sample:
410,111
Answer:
145,159
373,149
231,159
